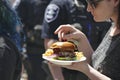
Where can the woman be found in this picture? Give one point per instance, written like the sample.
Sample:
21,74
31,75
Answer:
105,61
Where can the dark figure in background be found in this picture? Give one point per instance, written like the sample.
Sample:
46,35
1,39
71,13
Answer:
68,12
10,43
31,13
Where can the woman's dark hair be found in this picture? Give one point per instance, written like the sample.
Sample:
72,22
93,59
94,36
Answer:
118,21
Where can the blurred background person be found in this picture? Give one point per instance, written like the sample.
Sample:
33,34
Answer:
69,12
14,3
10,43
31,13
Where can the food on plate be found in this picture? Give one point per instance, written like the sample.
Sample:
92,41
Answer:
63,51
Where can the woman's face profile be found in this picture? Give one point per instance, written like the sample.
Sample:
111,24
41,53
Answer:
101,10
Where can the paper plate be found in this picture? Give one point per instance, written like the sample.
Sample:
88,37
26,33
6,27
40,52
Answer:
61,62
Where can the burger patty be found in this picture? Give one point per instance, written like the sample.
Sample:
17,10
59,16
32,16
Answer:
66,54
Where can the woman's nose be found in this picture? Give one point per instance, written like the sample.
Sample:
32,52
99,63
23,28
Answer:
89,8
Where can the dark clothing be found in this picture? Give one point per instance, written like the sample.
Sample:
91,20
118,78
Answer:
106,58
10,24
10,62
10,43
95,32
31,13
62,12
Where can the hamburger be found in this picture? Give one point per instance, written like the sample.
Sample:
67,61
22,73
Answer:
63,51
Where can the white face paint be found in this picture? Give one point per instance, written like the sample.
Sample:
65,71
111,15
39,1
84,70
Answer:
51,12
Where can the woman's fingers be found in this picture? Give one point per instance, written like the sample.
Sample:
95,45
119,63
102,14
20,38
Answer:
60,35
66,32
59,29
63,28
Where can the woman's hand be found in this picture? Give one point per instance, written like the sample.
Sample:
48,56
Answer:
79,66
67,32
88,70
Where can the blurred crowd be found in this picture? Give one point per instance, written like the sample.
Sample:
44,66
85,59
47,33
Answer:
39,19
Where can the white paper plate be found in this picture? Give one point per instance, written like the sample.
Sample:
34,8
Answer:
59,62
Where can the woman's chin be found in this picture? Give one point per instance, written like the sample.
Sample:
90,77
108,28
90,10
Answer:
99,20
